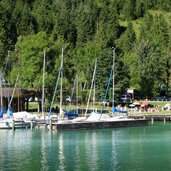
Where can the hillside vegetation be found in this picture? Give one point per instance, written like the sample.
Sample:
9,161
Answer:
137,31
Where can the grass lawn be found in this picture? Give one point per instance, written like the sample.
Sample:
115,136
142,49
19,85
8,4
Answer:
159,103
33,105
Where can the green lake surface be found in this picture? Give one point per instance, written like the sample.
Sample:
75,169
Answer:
145,148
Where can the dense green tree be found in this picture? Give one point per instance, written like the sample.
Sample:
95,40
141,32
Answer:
104,66
7,31
87,29
155,28
149,67
64,25
84,60
107,26
24,25
127,40
149,4
29,62
139,9
42,11
129,9
85,24
165,5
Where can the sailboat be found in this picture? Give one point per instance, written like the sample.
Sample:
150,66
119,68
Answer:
5,122
114,109
94,116
73,114
80,119
43,117
25,116
61,117
62,113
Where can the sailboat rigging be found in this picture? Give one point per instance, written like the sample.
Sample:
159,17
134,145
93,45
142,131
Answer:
61,98
92,83
52,103
71,114
1,114
113,97
9,111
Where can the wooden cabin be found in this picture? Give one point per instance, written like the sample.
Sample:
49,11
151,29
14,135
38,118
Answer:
19,98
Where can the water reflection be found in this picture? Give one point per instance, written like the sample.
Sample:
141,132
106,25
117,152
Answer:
45,144
142,148
61,153
114,151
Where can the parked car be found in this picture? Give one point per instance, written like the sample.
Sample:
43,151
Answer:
126,98
161,98
68,99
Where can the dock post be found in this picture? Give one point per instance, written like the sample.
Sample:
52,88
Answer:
144,117
31,125
164,119
50,123
13,125
152,120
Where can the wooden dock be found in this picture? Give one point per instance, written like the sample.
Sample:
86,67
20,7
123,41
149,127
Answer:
100,124
153,117
52,124
41,123
20,123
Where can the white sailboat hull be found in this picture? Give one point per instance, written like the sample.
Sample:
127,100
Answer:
6,123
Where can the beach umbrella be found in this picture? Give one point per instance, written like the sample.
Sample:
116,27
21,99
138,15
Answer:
137,103
131,105
166,106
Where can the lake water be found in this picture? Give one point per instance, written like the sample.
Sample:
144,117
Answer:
145,148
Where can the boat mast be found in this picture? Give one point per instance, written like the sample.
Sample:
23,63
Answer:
54,94
113,100
1,91
19,68
92,83
76,94
94,96
61,83
43,87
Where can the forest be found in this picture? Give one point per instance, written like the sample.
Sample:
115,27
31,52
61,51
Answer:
136,32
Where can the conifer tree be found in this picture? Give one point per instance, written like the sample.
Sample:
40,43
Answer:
107,26
7,29
129,9
127,40
139,9
85,24
24,25
43,14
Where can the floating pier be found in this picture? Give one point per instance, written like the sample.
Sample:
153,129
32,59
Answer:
100,124
41,123
17,124
23,124
153,117
53,124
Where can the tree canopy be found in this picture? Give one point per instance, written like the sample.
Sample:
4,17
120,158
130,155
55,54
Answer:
88,30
